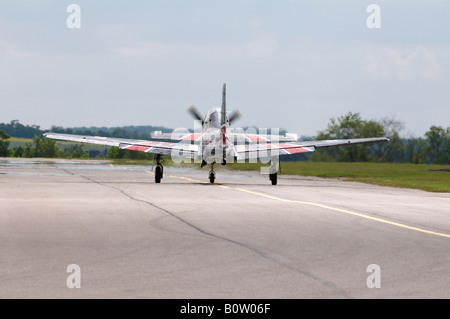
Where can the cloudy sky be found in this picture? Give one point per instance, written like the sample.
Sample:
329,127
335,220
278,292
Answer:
292,64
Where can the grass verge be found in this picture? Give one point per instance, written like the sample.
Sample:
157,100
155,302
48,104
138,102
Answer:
433,178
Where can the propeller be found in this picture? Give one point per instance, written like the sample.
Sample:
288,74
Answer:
195,113
234,116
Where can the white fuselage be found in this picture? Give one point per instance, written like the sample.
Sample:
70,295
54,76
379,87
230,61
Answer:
214,143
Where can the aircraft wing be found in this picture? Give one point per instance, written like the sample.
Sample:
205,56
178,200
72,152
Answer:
262,150
330,143
156,147
176,136
232,136
260,138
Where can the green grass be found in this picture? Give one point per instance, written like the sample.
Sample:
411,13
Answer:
433,178
20,139
15,142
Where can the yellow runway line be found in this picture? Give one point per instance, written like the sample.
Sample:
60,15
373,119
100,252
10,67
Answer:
345,211
340,210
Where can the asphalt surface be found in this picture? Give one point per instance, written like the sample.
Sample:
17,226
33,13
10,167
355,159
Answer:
240,238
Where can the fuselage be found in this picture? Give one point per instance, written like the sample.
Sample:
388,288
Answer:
214,141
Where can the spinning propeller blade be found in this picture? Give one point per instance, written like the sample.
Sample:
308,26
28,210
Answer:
234,116
195,113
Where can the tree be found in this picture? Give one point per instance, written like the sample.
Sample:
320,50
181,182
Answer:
28,151
36,151
38,148
19,152
14,128
415,150
348,126
78,152
394,150
438,140
120,132
75,151
49,148
116,152
4,144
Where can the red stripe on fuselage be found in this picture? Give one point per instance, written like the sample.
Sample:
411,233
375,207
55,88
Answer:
224,135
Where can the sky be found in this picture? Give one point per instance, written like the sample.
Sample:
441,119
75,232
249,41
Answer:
290,64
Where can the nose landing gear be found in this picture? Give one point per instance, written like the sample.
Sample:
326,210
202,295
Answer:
212,174
159,170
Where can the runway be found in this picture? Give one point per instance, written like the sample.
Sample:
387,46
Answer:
240,238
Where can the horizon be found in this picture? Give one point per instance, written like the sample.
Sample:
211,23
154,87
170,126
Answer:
97,128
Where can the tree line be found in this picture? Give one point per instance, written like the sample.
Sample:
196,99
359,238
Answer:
47,148
433,148
39,147
16,129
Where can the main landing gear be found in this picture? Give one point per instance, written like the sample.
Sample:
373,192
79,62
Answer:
159,170
274,165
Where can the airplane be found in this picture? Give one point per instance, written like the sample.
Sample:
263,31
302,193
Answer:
216,142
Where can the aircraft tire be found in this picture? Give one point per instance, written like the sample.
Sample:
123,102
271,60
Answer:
158,174
273,178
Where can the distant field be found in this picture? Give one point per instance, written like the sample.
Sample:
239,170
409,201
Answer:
433,178
17,141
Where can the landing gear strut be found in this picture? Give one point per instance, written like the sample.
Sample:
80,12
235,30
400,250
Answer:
212,174
159,171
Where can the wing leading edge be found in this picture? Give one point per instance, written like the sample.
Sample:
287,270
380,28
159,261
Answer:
156,147
261,150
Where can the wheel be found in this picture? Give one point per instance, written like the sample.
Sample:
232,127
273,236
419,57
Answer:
212,176
158,174
273,178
